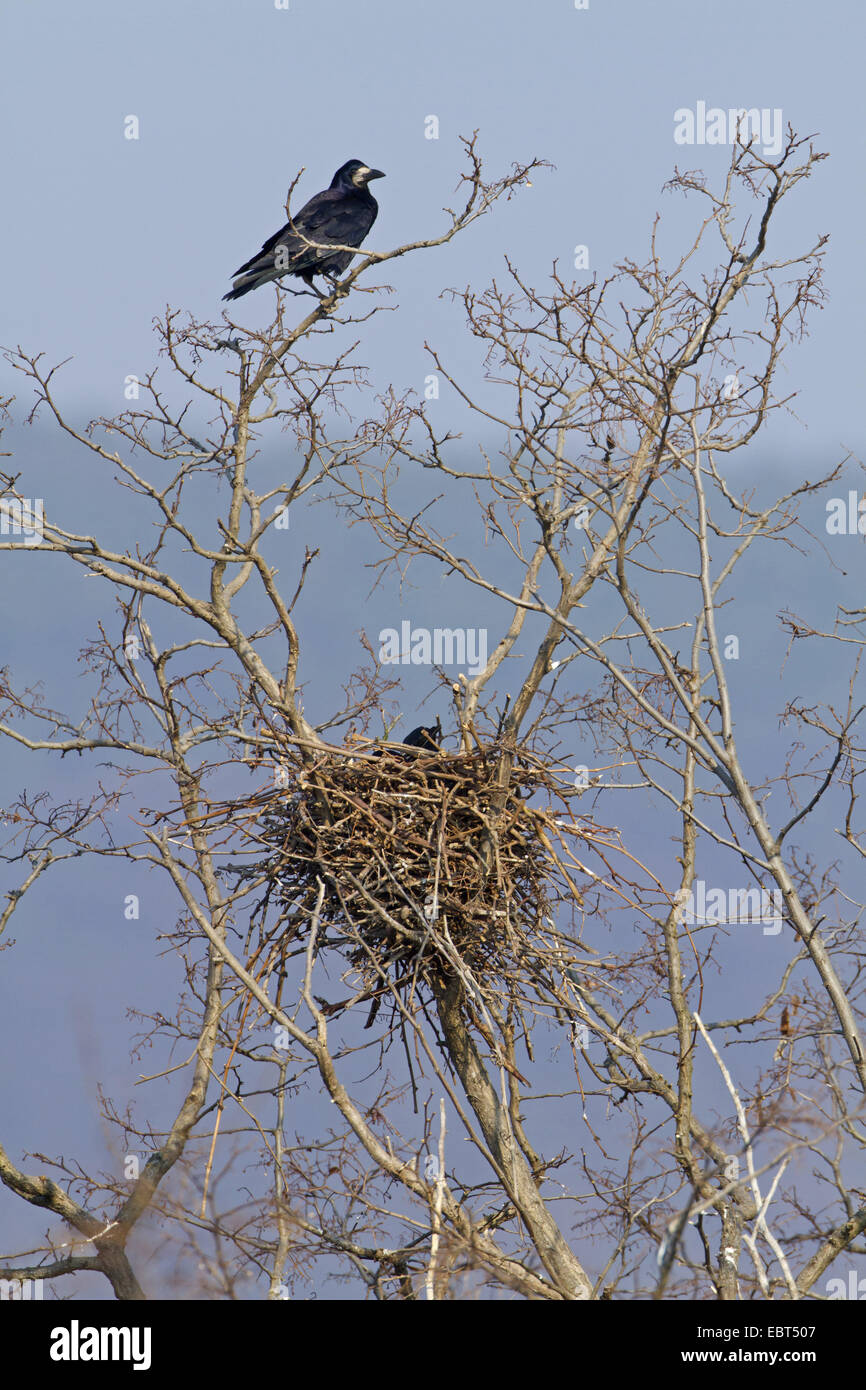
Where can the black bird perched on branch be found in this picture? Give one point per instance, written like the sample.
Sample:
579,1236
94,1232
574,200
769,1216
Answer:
340,216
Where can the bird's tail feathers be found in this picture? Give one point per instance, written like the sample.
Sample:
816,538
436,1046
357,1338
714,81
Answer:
242,287
242,284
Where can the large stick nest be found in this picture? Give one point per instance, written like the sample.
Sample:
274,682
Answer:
421,856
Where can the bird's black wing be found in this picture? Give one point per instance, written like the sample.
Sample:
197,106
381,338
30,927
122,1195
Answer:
286,235
343,222
329,217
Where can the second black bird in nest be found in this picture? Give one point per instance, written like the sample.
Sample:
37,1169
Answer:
426,736
425,739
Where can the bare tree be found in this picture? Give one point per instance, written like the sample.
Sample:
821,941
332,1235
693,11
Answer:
461,903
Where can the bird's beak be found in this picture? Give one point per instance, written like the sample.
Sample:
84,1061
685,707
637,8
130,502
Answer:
375,174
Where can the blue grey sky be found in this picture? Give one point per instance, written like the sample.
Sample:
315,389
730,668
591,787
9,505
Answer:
233,99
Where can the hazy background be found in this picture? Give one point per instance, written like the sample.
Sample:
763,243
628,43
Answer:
100,233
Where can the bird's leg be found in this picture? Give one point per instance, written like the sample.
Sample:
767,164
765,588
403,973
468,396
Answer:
334,281
300,294
308,280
